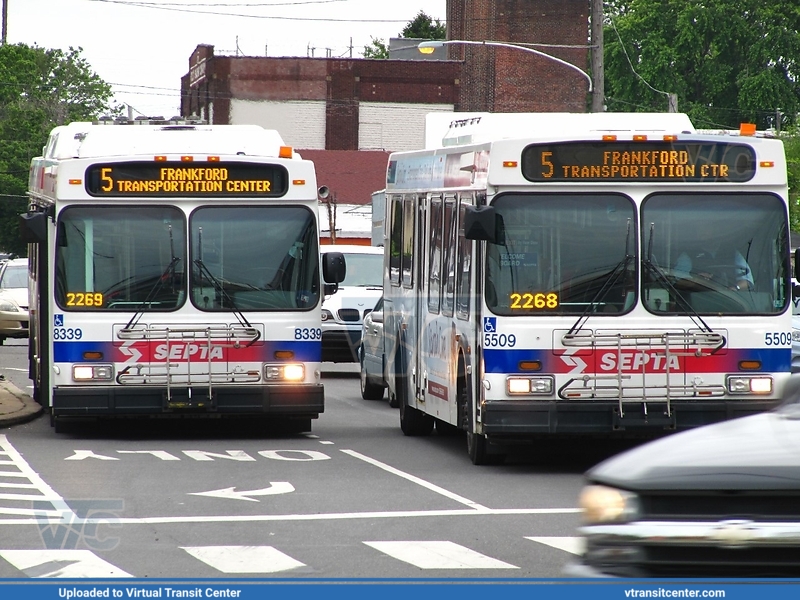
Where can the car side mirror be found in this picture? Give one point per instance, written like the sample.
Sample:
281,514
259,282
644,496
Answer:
377,316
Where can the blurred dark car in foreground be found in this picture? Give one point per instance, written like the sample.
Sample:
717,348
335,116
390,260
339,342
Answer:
722,500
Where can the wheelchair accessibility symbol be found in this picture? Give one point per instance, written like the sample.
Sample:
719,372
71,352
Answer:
490,324
58,320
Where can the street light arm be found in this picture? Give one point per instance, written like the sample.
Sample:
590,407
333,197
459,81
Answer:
431,44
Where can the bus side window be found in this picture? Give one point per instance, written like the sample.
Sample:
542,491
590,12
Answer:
395,240
407,261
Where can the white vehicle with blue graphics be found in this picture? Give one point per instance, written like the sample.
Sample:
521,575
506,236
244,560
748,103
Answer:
176,272
574,274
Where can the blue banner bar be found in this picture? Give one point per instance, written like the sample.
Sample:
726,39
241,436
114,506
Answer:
421,589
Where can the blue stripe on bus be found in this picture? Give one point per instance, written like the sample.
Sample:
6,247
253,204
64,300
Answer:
264,351
773,360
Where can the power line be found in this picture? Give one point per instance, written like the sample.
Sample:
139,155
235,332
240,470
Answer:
249,16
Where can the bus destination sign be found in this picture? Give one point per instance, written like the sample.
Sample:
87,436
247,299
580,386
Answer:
689,161
180,179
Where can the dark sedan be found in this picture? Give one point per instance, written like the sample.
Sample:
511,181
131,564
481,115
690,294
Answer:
718,501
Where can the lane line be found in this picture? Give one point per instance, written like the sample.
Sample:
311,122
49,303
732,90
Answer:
48,494
412,478
301,517
574,545
61,563
439,555
244,559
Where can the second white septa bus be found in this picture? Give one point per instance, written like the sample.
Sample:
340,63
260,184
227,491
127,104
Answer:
575,274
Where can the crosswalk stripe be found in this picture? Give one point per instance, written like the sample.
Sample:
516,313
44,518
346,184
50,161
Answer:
244,559
61,563
568,544
438,555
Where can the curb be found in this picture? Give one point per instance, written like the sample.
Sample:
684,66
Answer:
16,406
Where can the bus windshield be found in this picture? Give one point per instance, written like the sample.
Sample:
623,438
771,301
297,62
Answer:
120,258
135,258
254,258
715,253
562,254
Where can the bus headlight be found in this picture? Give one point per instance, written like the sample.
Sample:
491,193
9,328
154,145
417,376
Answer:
604,504
529,386
749,385
290,372
92,372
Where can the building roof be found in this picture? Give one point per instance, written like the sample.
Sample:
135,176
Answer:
350,175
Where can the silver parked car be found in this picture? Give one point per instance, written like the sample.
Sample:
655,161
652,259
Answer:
372,356
14,299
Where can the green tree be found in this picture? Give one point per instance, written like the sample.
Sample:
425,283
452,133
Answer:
378,49
421,27
791,141
424,27
39,89
728,61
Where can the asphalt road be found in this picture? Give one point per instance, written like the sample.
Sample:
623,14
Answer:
355,498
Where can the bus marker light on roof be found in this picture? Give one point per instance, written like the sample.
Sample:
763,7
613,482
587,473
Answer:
747,129
670,138
187,158
639,138
160,158
285,152
75,181
298,181
610,137
213,159
510,164
766,164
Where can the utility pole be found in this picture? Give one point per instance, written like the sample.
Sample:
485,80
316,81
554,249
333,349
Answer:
598,77
5,22
673,103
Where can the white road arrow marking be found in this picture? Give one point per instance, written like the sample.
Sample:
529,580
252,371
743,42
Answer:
276,487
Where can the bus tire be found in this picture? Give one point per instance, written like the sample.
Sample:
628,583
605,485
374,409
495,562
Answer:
413,422
477,444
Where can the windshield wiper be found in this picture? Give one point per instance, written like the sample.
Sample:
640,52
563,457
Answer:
654,269
611,279
220,287
169,271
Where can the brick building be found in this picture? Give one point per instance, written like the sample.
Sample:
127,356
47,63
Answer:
361,104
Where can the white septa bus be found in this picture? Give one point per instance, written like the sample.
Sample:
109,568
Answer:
539,278
175,270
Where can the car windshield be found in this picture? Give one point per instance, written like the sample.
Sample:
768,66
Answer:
15,276
363,270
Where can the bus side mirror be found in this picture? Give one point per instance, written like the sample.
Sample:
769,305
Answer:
333,270
483,223
33,228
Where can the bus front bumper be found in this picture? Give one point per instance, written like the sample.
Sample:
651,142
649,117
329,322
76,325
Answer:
296,401
524,417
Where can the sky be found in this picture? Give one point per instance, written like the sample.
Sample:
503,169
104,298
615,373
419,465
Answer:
142,48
